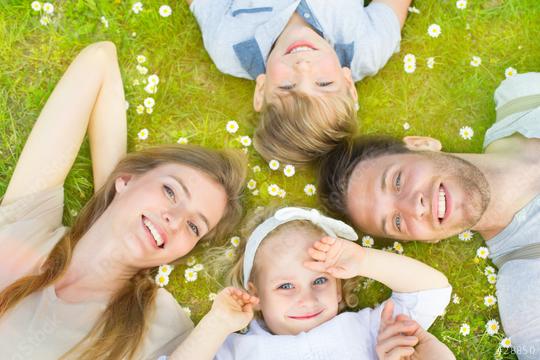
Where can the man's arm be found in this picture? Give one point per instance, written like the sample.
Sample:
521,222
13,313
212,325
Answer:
400,7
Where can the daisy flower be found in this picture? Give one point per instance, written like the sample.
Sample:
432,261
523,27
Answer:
182,140
282,193
430,62
289,170
45,20
367,241
48,8
198,267
187,311
465,329
149,102
492,279
231,127
190,275
212,296
273,164
489,270
255,192
73,212
245,140
36,6
398,247
434,30
406,126
409,67
135,82
161,280
506,343
141,59
490,300
409,58
142,69
235,241
273,190
165,10
256,169
252,184
151,88
461,4
137,7
143,134
510,72
467,235
104,21
492,327
456,299
149,110
476,61
482,252
414,10
229,254
466,132
310,189
165,269
140,109
191,261
153,79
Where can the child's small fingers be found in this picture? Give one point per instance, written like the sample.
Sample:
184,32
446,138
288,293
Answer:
321,246
315,266
328,240
399,353
316,254
386,314
396,329
385,346
402,317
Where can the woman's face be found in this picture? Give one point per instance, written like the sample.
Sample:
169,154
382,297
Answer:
162,214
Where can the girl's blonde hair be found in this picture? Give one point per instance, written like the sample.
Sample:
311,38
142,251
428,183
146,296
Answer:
236,273
298,129
119,331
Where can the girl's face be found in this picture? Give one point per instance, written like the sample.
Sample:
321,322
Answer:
293,298
162,214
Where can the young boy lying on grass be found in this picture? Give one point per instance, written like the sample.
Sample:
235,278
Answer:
305,56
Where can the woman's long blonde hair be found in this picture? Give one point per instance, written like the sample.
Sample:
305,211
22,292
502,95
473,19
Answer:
119,331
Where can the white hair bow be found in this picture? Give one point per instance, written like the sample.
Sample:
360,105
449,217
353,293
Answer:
332,227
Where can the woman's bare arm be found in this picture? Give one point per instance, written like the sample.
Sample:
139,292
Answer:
89,96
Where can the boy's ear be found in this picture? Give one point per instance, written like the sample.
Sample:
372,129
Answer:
347,74
258,95
422,143
252,290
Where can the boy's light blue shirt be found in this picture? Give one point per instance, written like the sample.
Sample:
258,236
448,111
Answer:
238,34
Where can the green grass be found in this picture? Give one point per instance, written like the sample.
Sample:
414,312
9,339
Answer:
195,100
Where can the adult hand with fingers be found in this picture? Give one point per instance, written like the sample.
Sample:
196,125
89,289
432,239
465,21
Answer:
338,257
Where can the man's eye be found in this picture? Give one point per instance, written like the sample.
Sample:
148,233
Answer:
169,191
320,281
287,87
194,228
325,83
398,182
397,221
286,286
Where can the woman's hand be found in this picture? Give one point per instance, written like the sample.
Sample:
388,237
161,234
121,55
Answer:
404,339
233,308
337,257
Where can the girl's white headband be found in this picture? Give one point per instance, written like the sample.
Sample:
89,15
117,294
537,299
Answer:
333,227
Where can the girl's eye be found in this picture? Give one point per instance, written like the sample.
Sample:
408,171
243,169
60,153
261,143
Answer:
286,87
194,228
398,182
325,83
286,286
320,281
169,191
397,221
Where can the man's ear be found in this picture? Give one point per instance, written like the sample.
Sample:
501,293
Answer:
121,182
258,94
252,290
347,74
422,143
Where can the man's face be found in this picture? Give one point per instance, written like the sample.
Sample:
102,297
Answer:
425,196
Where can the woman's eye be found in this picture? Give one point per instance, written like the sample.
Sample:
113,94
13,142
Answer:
286,286
397,221
320,281
325,83
286,87
194,228
398,182
169,191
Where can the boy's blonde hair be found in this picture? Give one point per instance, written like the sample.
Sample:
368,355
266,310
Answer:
235,275
298,128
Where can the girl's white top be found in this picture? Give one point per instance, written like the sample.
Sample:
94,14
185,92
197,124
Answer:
349,335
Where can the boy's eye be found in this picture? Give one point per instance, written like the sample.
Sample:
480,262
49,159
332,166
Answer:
325,83
287,87
397,221
286,286
398,182
320,281
194,228
169,192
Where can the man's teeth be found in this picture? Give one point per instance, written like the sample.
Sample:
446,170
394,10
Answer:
442,204
155,233
300,49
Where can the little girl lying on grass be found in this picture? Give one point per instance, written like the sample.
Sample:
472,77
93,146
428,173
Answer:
292,268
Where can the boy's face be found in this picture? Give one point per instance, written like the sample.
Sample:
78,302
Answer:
293,298
304,62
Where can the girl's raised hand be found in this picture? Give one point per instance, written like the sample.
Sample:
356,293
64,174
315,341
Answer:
337,257
233,308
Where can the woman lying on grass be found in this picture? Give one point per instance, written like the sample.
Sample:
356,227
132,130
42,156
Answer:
87,292
291,271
